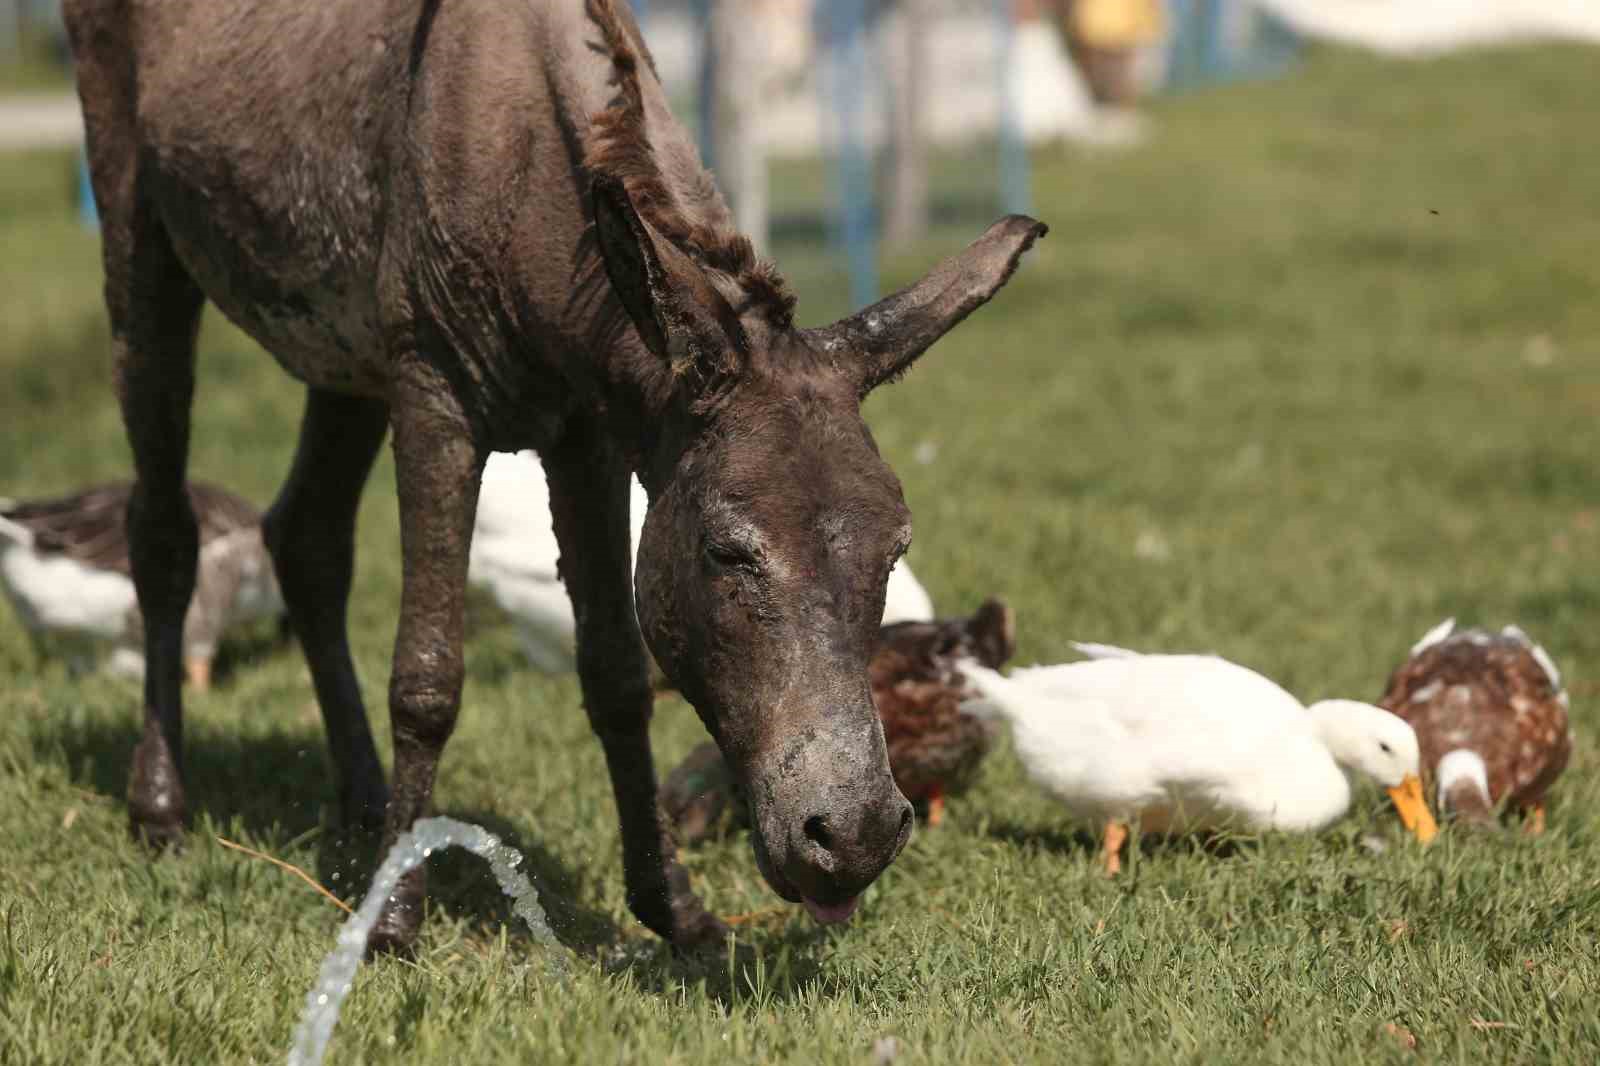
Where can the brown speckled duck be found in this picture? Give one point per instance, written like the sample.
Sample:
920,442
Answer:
1491,719
934,746
64,567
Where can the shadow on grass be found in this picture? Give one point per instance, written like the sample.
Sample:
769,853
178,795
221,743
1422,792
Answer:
763,967
757,970
1080,842
273,786
252,647
280,787
1055,841
461,882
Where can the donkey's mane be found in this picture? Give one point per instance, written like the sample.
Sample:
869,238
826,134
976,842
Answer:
622,149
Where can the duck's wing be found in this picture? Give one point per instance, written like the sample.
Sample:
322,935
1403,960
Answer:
219,512
91,526
1539,707
932,650
931,740
87,526
919,689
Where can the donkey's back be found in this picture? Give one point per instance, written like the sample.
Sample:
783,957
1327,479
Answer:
291,152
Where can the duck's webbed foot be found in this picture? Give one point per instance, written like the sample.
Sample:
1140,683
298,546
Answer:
1116,836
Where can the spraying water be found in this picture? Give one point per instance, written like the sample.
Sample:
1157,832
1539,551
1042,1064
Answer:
311,1036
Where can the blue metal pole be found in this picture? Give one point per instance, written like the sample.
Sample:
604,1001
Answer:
706,91
86,205
845,36
1014,177
1212,60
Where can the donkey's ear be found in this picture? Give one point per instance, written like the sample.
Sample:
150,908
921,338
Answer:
679,314
888,336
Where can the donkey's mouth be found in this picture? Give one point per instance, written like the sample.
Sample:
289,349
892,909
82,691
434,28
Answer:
831,913
822,913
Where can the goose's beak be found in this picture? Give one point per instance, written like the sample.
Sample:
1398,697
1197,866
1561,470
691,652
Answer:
1414,813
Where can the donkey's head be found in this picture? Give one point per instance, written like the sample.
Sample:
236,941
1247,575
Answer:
772,527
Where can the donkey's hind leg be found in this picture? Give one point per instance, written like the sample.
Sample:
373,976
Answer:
310,532
155,309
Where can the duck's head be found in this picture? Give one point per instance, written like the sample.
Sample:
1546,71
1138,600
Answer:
1370,740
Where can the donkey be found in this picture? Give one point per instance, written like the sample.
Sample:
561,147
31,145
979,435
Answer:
476,225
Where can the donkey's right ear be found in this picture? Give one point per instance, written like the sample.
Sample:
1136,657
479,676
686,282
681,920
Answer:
679,314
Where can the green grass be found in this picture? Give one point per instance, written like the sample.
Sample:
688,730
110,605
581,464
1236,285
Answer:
1317,367
34,66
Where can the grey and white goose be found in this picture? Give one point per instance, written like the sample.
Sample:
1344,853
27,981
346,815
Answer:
64,566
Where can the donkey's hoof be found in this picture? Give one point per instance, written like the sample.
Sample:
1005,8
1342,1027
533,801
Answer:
156,807
400,920
391,941
696,930
157,834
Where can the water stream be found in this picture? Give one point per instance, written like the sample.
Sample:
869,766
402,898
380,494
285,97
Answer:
321,1014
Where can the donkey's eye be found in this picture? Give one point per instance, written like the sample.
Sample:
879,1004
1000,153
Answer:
729,556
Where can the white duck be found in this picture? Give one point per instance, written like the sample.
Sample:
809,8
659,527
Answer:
64,566
514,555
1194,742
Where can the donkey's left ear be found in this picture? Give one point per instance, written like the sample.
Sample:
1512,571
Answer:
680,315
888,336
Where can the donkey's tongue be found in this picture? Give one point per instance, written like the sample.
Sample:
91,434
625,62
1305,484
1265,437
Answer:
831,913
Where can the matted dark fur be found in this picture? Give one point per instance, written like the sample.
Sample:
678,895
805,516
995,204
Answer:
622,150
934,746
478,226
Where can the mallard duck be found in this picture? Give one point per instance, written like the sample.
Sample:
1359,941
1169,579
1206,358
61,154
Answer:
64,566
514,555
934,745
1193,742
1491,717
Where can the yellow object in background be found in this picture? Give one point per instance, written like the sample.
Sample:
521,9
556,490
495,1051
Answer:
1117,23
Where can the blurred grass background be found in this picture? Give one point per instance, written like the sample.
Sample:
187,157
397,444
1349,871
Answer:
1317,367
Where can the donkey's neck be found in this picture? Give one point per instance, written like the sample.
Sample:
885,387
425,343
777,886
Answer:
627,132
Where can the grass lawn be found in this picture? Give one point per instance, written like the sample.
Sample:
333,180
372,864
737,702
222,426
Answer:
1314,369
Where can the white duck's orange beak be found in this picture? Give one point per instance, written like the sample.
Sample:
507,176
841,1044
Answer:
1414,813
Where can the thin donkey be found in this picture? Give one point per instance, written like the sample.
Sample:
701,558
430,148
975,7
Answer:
476,223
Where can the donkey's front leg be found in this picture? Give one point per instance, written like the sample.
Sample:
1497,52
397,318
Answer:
437,467
589,505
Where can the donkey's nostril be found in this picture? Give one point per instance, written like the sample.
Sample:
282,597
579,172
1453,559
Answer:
905,818
816,830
